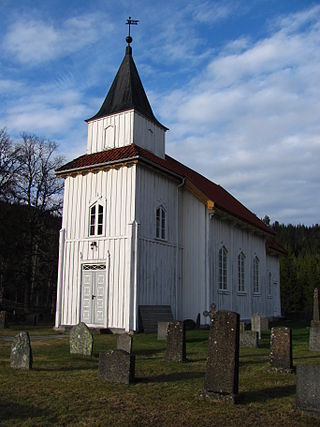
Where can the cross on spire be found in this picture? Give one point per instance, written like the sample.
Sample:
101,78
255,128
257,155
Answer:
212,311
130,22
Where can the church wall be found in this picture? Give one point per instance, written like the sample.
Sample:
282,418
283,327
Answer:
193,287
110,132
157,258
148,135
114,189
236,240
274,298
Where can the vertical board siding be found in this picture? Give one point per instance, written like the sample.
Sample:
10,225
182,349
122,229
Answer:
149,135
193,287
114,189
156,276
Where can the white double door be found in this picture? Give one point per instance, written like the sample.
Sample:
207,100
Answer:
93,294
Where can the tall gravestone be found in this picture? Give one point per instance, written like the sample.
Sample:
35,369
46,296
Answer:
21,353
124,342
3,319
259,324
176,342
308,388
117,366
81,340
281,350
222,370
314,337
162,330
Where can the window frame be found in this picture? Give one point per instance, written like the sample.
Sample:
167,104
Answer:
256,275
241,272
96,219
161,228
223,269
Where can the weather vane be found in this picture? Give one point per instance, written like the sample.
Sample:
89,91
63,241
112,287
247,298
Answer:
130,22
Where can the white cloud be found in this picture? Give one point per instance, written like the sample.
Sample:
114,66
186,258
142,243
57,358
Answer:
32,41
250,121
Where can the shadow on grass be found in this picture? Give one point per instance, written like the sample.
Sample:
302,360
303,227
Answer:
66,368
177,376
13,410
260,396
147,352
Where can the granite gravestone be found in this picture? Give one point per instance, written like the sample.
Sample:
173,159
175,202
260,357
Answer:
308,388
162,330
281,350
117,366
3,319
81,340
242,327
249,339
259,324
176,342
124,342
222,370
21,353
314,337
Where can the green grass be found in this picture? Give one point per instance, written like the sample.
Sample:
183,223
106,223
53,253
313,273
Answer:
64,389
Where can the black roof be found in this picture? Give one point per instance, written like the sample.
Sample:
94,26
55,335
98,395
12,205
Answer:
127,92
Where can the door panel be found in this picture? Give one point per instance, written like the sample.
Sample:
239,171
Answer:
86,311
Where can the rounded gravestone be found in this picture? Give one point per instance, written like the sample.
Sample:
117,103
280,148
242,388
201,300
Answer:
21,354
81,340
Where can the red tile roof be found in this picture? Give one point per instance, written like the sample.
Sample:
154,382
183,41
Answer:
221,198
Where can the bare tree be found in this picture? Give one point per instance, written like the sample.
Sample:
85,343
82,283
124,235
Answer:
9,166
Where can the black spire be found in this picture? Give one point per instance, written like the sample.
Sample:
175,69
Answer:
127,92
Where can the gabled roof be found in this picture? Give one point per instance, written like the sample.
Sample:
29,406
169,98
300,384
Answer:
127,92
221,198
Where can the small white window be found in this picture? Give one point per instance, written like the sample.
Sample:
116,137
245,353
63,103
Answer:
96,220
256,284
241,259
161,223
223,268
109,137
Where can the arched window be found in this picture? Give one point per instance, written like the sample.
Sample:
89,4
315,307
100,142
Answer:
96,220
161,223
223,268
256,284
241,259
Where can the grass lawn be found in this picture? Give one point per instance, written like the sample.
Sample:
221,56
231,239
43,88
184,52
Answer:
64,389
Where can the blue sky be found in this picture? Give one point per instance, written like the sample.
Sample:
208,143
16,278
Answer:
237,83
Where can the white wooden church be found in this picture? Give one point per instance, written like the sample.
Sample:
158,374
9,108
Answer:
140,228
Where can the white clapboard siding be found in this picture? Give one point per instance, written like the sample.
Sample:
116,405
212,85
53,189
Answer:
114,189
156,282
193,287
121,129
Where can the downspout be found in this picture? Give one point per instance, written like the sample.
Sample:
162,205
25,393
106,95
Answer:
177,246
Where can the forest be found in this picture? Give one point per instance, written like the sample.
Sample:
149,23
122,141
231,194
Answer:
30,219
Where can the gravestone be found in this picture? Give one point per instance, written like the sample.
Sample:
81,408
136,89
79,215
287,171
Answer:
162,330
259,324
81,340
116,366
189,324
249,339
222,370
308,388
314,337
21,353
242,327
124,342
281,350
3,319
176,342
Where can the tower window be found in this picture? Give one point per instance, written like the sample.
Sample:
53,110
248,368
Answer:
161,223
96,220
223,268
